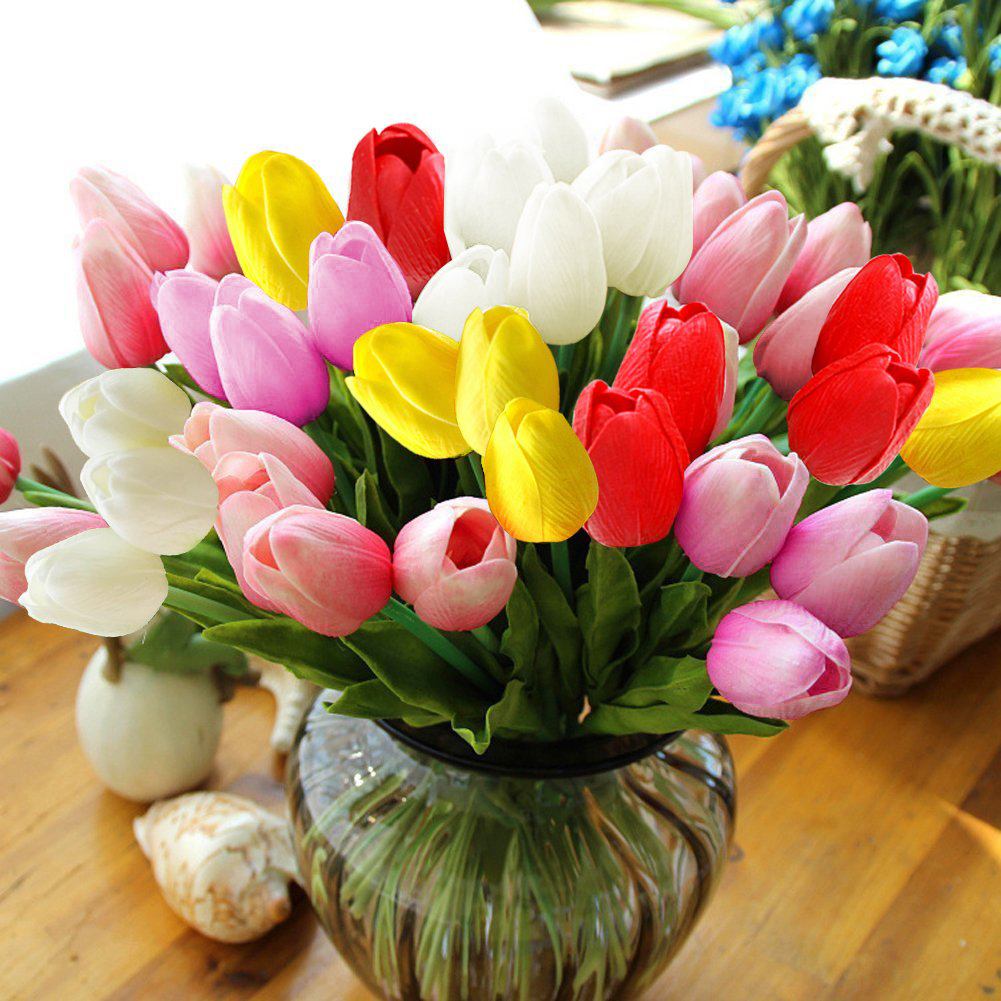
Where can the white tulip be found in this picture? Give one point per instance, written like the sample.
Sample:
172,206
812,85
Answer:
476,279
94,582
557,265
561,138
124,408
643,204
159,499
486,187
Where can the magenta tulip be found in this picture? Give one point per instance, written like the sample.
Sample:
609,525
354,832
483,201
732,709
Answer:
774,659
212,250
627,133
354,286
738,504
850,563
323,569
964,332
455,564
716,198
10,463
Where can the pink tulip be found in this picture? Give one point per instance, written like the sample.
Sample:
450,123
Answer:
354,286
783,354
838,239
850,563
10,463
699,171
741,268
774,659
119,324
628,133
738,504
716,198
455,564
156,238
266,357
212,250
23,533
323,569
964,332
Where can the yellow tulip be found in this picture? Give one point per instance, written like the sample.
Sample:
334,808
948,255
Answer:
276,209
501,357
540,482
958,439
405,379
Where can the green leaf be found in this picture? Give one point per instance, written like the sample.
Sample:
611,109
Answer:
715,716
681,609
408,476
173,644
521,638
673,681
718,716
371,511
514,716
42,498
179,375
373,700
222,595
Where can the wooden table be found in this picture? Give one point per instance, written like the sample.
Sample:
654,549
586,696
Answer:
867,861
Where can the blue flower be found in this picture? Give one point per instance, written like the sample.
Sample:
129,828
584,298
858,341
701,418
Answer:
902,54
995,53
899,10
798,74
946,70
949,40
806,18
752,64
742,41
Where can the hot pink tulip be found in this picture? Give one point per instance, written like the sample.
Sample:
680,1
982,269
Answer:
119,324
738,504
964,332
741,268
156,238
783,354
212,250
354,286
628,133
323,569
455,564
850,563
774,659
716,198
838,239
266,357
24,533
10,464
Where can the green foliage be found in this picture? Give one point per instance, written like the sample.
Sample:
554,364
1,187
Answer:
173,644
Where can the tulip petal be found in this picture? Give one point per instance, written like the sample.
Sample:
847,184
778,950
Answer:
469,598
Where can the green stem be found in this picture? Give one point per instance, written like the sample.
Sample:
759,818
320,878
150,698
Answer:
487,637
561,568
477,467
28,487
924,498
185,601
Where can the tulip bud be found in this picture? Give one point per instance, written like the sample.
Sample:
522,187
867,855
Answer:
560,137
354,286
501,357
540,482
323,569
274,212
455,565
624,432
774,659
478,278
741,268
10,464
628,133
94,582
405,378
122,409
716,198
738,505
699,171
266,357
101,194
212,250
643,206
119,324
851,419
850,563
557,265
964,332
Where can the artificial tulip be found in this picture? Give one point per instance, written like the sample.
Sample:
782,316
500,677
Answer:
643,206
774,659
156,238
716,198
741,268
699,171
964,332
560,137
850,563
851,419
501,357
885,303
10,463
212,250
323,569
119,324
738,505
405,379
540,482
455,565
266,357
627,133
639,457
478,278
557,265
94,582
398,188
354,285
277,208
838,239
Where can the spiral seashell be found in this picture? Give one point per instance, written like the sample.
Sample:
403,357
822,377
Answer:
293,697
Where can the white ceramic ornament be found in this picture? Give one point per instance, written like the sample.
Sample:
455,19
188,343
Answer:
293,697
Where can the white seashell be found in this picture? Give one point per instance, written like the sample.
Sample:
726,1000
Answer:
293,697
222,862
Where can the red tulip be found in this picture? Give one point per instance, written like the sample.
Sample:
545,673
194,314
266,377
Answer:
850,420
398,188
885,303
639,457
10,464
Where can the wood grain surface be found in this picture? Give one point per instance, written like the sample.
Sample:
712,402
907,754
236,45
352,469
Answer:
867,862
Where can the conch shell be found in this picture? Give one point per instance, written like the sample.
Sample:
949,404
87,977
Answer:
293,697
222,862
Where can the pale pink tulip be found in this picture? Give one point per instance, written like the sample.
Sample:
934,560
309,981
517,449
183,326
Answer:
10,463
699,171
455,564
964,332
627,133
716,198
212,250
